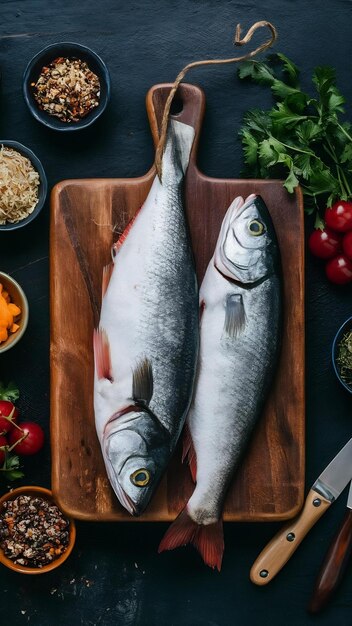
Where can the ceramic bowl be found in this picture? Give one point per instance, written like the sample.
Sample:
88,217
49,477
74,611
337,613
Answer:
346,326
46,494
43,185
70,50
18,297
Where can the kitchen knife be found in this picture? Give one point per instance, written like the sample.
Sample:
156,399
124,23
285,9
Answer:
335,562
325,490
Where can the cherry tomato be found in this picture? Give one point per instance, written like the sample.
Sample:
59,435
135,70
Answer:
3,442
347,244
6,408
339,270
339,217
324,243
32,442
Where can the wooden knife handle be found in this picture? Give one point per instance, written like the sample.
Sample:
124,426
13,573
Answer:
285,543
333,566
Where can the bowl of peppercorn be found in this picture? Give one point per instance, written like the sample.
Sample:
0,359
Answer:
66,86
35,535
342,354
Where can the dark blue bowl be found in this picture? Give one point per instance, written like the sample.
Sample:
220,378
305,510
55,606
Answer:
43,185
70,50
346,326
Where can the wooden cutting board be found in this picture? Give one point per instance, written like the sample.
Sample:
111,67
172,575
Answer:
269,484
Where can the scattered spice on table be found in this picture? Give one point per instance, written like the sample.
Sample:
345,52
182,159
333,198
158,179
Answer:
344,358
19,182
9,315
33,531
67,89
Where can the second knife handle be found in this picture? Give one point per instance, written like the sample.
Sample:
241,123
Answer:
285,543
333,566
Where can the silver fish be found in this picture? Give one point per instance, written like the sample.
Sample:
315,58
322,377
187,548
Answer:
147,342
240,302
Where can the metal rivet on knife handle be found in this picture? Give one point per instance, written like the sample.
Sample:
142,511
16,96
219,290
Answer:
316,502
290,536
264,573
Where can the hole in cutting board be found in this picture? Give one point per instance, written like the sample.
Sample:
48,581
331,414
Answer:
176,106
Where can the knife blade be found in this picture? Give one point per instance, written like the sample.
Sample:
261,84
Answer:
335,562
324,491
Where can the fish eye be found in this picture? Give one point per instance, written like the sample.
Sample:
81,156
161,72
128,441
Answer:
256,228
140,477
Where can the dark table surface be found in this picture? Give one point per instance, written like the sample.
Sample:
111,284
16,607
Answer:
115,576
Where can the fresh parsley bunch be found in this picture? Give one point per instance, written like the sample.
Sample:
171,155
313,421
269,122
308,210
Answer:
303,138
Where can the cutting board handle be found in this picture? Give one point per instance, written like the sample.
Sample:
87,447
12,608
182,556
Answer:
189,107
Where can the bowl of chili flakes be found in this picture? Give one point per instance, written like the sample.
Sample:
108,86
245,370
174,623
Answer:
35,535
66,86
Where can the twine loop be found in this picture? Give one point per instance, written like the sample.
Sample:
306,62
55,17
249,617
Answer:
237,42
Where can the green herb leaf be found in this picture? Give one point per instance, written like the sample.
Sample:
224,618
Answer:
14,475
250,148
323,181
324,79
304,164
297,101
346,155
10,469
267,153
336,101
281,90
282,116
308,131
256,70
11,392
290,68
291,182
258,121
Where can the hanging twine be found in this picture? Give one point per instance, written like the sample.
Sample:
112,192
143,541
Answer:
238,42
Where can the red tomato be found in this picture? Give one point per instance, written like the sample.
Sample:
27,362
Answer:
339,217
324,243
32,442
339,270
347,244
6,408
3,442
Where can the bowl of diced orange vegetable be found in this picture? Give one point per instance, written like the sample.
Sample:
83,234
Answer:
13,312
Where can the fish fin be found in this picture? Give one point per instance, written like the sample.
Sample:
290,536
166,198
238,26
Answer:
142,384
208,540
235,316
102,356
117,245
107,271
189,453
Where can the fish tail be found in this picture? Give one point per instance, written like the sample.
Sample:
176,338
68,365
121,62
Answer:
208,540
178,147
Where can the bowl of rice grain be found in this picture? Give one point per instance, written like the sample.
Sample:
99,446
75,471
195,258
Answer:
23,185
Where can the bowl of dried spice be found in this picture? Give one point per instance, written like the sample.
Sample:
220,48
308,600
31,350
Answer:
35,536
66,86
342,354
23,185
